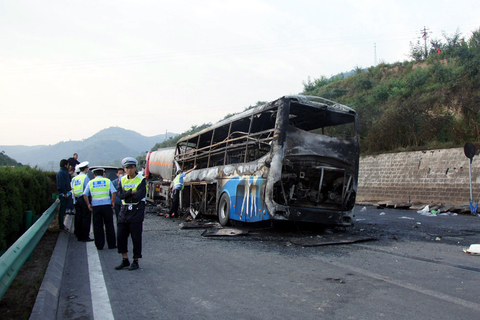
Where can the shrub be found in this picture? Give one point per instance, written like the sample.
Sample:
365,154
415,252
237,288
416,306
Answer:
21,189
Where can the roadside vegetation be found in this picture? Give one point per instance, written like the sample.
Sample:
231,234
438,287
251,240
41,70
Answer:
21,189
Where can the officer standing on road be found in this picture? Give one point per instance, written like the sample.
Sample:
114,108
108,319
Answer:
83,216
177,187
132,190
64,191
103,200
118,201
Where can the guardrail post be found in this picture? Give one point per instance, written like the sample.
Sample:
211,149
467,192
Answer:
28,219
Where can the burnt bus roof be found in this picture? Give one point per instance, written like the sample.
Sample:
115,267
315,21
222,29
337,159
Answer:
313,101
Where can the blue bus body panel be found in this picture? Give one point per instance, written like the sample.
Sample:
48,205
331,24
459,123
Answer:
246,203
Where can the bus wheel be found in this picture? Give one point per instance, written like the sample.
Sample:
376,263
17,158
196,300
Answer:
224,209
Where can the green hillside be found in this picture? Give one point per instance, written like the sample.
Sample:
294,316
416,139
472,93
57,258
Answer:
6,161
430,102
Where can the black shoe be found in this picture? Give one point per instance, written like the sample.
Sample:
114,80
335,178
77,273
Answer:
125,263
134,265
88,240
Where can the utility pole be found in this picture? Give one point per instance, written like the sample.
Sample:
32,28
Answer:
425,33
375,53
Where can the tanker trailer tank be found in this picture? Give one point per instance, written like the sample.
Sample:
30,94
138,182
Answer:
159,174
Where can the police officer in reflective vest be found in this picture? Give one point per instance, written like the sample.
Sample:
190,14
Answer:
83,216
103,200
177,188
132,190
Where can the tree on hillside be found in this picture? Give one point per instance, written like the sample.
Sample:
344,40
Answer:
446,48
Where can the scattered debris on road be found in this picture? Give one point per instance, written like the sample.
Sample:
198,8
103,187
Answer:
224,232
199,225
437,207
330,240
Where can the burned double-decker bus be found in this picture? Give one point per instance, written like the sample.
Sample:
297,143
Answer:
295,158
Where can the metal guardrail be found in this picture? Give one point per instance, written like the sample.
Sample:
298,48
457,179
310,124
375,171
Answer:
14,258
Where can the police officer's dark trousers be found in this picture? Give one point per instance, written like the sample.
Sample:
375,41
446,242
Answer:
83,219
103,215
131,223
175,202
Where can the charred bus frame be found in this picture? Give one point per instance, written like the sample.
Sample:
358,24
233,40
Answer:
295,158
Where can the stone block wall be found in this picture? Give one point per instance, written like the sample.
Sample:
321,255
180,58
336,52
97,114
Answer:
420,176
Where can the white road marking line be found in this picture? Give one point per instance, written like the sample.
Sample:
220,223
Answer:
100,301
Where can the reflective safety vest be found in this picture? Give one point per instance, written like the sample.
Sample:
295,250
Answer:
131,184
176,182
99,188
78,184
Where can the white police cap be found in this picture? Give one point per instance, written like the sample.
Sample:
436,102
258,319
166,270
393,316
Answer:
129,161
98,171
83,165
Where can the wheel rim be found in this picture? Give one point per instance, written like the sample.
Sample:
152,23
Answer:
223,208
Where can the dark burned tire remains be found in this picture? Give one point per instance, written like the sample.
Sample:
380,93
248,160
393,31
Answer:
224,209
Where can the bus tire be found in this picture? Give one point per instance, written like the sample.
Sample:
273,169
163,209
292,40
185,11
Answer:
224,209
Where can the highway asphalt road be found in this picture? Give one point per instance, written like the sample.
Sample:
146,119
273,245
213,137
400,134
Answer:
408,266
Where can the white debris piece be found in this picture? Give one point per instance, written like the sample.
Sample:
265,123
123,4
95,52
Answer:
363,209
425,209
426,212
382,214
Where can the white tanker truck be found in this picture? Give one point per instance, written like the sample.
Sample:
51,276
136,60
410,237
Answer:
159,172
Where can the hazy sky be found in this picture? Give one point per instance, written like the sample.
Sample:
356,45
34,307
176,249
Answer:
71,68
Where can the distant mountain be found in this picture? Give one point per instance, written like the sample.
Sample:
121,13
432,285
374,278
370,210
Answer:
107,147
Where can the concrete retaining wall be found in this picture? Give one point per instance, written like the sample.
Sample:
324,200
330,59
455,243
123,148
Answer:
421,176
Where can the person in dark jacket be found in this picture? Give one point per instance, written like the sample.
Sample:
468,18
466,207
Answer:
73,161
118,201
132,190
64,190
